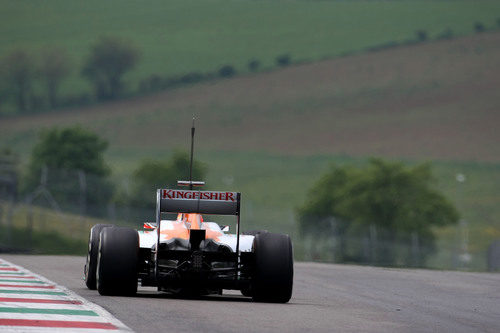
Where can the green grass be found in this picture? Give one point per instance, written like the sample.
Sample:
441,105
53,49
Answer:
179,36
50,232
432,100
273,185
278,112
41,242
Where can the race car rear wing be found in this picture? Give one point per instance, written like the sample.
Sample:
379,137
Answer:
201,202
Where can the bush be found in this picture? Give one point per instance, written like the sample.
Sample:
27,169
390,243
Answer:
421,35
283,60
151,175
227,71
253,65
395,201
479,27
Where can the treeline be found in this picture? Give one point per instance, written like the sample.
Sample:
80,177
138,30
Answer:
32,83
382,213
157,82
67,171
379,213
423,35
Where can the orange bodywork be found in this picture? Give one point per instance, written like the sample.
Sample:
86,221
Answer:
186,222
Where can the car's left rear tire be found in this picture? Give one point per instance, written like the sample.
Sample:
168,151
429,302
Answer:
247,292
90,269
118,261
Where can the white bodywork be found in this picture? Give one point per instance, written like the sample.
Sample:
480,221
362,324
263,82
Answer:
148,237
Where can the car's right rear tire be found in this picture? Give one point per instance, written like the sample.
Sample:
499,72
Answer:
248,290
117,261
272,280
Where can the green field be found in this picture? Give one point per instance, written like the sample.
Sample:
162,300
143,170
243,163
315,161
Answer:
435,100
271,134
274,185
180,36
43,231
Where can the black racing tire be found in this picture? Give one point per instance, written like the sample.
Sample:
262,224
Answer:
90,268
248,290
253,232
272,280
118,261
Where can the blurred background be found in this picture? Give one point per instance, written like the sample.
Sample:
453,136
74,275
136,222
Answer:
365,129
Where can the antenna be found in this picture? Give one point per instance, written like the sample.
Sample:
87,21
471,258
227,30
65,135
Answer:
191,163
191,183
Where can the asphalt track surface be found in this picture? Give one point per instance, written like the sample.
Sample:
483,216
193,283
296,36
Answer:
326,298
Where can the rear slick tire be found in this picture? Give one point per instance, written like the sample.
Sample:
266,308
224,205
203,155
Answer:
247,292
118,261
272,280
90,269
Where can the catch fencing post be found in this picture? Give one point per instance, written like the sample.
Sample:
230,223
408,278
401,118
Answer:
373,243
415,249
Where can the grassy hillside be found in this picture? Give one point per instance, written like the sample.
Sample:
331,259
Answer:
180,36
273,185
429,101
270,135
43,231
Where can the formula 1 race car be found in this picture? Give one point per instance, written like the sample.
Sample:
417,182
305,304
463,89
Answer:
191,255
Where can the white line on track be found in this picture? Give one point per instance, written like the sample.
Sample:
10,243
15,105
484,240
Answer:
102,315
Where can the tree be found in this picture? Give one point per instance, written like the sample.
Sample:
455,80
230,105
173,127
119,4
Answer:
55,66
398,202
152,175
19,71
479,27
74,159
109,60
227,71
283,60
421,35
9,162
253,65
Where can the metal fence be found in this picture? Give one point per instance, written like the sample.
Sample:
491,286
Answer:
60,206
